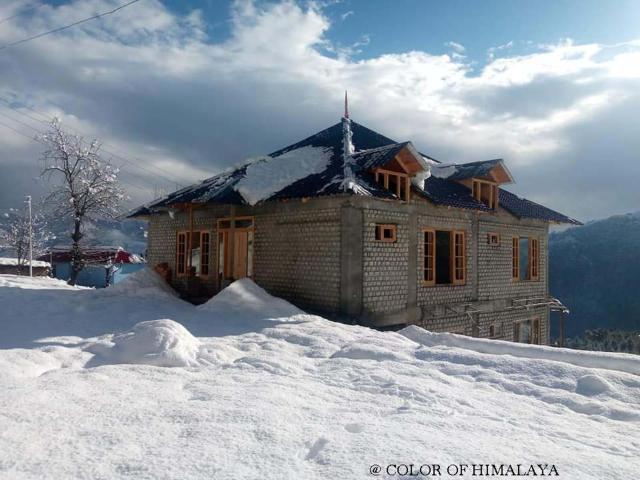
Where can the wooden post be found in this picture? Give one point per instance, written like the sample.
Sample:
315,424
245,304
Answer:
562,315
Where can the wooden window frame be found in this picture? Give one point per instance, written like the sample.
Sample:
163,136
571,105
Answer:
181,255
535,330
533,260
381,228
203,254
429,253
515,258
491,237
429,275
493,197
186,253
403,182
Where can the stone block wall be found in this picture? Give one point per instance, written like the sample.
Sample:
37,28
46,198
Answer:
495,262
385,279
297,256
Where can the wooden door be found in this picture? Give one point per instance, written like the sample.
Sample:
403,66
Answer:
240,242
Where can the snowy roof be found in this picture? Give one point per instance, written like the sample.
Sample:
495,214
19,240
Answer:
93,255
462,171
13,262
315,167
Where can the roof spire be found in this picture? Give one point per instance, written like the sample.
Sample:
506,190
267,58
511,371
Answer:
346,105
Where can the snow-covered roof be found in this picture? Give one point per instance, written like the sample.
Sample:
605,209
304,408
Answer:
315,167
93,255
13,262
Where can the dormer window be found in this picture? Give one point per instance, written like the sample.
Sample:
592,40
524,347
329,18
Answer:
396,182
486,192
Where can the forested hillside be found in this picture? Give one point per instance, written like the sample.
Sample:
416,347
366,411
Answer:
595,270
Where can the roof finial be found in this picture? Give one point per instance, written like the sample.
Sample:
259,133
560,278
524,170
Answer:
346,105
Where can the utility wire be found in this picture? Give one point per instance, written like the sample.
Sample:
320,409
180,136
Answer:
168,176
39,141
60,29
143,188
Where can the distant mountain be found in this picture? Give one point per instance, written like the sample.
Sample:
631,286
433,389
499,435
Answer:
595,270
128,234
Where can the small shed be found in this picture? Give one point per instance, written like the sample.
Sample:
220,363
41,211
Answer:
104,265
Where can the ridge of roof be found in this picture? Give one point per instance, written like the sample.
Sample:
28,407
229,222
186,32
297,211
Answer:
374,149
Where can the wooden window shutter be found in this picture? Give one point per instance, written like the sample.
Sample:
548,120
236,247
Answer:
181,253
534,258
429,275
459,258
535,331
205,255
515,258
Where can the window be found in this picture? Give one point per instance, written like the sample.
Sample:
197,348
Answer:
534,255
496,330
525,258
386,233
535,331
485,192
192,257
445,261
205,257
515,258
527,331
396,182
429,257
181,250
493,239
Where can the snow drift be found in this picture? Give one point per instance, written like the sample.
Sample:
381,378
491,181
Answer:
610,361
288,395
144,283
162,343
243,300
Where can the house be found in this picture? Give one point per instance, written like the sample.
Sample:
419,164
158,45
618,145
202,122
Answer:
104,266
363,229
10,266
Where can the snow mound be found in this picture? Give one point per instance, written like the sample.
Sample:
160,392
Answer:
621,362
369,352
36,283
144,283
590,385
243,298
162,343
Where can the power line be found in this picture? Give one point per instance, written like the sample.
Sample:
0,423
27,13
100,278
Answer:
144,188
60,29
149,169
39,141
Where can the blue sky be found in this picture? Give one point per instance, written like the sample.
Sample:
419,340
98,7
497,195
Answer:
402,25
180,90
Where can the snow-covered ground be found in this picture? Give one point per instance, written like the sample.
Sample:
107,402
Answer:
248,386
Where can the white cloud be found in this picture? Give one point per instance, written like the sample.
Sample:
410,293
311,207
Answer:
148,77
458,48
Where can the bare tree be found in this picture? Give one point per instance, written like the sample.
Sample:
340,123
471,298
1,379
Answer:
86,187
14,235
